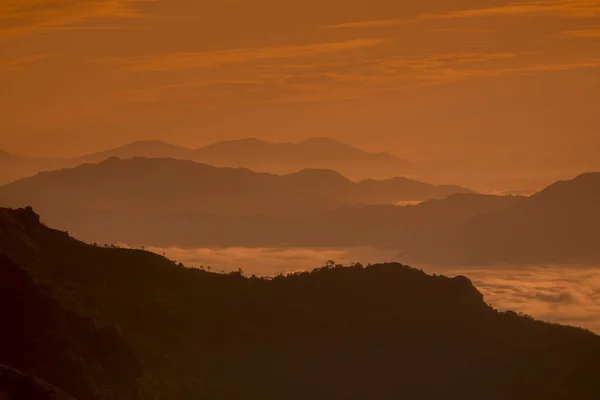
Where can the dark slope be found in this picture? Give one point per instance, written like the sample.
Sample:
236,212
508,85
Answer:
15,385
560,224
382,332
41,338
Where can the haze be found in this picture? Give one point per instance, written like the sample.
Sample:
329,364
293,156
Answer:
446,82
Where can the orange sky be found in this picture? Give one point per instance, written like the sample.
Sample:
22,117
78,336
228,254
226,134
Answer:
486,79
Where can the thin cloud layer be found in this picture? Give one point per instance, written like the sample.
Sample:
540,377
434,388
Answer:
183,61
558,294
579,9
27,16
17,63
583,33
300,83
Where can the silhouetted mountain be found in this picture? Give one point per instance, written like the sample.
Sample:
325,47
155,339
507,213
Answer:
159,187
145,149
382,332
370,191
4,156
316,153
380,226
154,185
246,152
256,154
557,225
317,208
41,338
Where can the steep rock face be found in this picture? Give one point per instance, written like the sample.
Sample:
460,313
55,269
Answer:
43,339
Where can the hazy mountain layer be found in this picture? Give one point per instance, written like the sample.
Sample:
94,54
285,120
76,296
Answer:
159,185
557,225
322,153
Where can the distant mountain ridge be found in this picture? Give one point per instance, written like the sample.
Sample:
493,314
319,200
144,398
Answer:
158,185
310,150
319,153
556,225
168,202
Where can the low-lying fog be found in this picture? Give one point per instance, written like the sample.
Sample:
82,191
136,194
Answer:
567,295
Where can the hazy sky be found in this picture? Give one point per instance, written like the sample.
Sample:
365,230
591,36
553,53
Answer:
491,79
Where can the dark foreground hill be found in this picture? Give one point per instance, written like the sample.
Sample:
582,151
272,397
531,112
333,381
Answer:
15,385
41,338
381,332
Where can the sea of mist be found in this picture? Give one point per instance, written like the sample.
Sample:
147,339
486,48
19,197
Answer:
562,294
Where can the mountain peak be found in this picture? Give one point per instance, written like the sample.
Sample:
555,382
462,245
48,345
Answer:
5,155
583,187
144,143
321,140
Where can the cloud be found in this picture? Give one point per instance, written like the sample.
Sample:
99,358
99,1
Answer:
583,33
568,295
17,63
269,261
305,82
427,61
438,69
27,16
193,60
542,8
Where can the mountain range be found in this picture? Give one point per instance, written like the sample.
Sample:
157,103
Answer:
162,203
316,153
79,317
154,186
174,203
